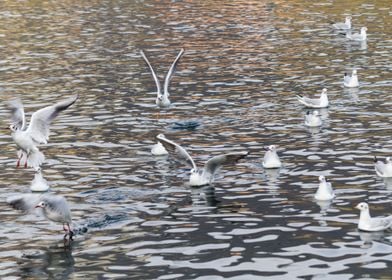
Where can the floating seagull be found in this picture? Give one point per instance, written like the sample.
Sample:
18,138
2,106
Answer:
54,208
383,169
358,37
313,119
343,25
351,81
271,158
321,102
39,184
27,138
368,223
200,177
159,150
324,191
163,98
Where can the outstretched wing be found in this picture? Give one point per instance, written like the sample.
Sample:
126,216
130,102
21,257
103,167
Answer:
213,164
171,72
176,150
24,202
40,120
17,113
157,83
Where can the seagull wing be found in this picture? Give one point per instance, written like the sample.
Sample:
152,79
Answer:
309,102
176,150
171,71
17,113
381,223
24,202
215,163
157,83
40,120
57,208
379,166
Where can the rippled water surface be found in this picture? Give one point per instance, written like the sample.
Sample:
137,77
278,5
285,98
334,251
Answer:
244,63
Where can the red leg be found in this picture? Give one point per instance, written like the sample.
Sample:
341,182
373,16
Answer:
25,165
18,162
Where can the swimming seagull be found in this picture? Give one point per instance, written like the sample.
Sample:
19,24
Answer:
383,169
367,223
200,177
321,102
162,99
158,150
324,191
358,37
313,119
39,184
351,81
343,25
27,138
271,158
54,208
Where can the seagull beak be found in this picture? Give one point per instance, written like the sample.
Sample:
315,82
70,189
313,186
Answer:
357,207
37,206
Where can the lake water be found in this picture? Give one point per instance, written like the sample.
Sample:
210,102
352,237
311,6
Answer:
244,63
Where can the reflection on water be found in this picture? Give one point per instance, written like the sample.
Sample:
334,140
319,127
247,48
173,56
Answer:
234,89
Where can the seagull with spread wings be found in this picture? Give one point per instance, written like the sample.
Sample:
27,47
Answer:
54,207
162,99
27,138
205,176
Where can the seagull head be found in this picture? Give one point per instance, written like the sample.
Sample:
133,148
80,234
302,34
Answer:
362,206
354,72
42,204
324,91
388,159
160,97
194,171
363,29
13,127
272,147
316,113
322,178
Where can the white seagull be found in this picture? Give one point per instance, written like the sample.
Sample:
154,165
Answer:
324,191
54,208
358,37
200,177
351,81
346,25
313,119
271,158
321,102
27,138
39,184
383,169
158,150
162,99
367,223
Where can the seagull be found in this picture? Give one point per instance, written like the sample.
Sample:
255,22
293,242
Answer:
200,177
158,150
351,81
27,138
383,169
54,208
39,184
368,223
271,158
324,191
343,25
162,99
313,119
321,102
358,37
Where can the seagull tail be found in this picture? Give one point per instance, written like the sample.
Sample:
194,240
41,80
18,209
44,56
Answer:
375,159
35,159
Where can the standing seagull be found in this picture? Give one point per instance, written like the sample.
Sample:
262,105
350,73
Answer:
383,169
27,138
343,25
321,102
163,99
54,208
358,37
351,81
200,177
324,191
367,223
271,158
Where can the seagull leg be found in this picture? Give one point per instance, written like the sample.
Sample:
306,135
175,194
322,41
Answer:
19,158
70,232
25,165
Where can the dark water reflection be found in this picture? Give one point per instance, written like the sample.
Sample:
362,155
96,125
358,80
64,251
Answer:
243,65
